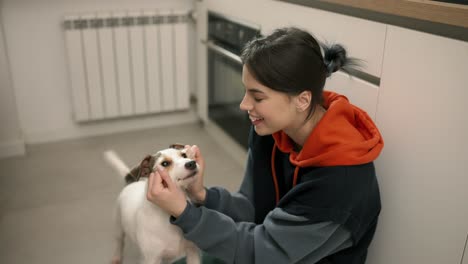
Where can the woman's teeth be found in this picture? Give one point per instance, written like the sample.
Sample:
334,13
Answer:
255,119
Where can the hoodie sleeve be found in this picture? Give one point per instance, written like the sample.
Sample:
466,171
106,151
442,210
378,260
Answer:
281,238
238,205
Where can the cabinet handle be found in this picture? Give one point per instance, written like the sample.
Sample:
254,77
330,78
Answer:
222,51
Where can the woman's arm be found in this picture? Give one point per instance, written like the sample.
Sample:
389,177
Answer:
282,238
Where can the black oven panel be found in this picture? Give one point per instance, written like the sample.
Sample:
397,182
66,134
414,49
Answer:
229,34
226,38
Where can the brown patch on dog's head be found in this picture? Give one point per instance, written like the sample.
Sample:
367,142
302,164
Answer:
143,170
147,165
166,162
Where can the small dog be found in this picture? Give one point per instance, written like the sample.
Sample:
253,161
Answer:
146,224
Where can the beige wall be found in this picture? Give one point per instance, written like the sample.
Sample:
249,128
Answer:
11,139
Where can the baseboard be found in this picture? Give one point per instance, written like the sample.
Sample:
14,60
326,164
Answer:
12,149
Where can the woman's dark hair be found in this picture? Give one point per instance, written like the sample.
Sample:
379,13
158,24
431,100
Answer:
290,60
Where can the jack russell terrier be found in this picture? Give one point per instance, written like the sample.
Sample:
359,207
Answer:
146,224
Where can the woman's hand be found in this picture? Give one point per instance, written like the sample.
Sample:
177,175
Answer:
163,192
196,190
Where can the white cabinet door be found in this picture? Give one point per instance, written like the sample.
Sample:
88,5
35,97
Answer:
359,92
422,114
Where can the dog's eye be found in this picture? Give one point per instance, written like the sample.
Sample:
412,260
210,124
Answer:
165,163
184,155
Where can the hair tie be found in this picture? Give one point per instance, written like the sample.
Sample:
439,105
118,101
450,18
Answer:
330,68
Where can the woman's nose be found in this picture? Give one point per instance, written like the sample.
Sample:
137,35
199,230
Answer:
244,104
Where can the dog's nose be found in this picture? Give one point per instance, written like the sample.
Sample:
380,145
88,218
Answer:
191,165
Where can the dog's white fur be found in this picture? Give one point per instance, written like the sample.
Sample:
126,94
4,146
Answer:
146,224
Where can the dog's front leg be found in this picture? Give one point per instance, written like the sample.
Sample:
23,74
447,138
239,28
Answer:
193,253
119,238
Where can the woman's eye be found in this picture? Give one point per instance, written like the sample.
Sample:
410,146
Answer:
184,155
258,99
165,163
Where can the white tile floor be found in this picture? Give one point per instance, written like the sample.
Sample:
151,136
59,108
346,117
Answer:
56,203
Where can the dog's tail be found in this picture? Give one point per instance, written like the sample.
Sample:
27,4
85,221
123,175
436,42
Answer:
117,163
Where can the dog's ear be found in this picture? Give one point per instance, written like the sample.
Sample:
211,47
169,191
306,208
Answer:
177,146
142,170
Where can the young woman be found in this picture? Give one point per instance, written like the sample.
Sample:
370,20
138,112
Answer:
310,193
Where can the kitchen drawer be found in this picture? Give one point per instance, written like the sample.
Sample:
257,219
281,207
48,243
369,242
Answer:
362,38
421,114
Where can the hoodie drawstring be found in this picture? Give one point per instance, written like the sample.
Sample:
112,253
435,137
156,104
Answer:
273,171
296,172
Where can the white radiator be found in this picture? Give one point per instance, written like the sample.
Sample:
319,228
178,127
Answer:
127,63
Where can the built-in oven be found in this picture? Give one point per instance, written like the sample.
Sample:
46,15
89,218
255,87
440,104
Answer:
226,38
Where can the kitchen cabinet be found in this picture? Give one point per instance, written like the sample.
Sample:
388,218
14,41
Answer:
421,113
419,106
362,38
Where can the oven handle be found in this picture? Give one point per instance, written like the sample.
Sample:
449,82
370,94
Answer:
222,51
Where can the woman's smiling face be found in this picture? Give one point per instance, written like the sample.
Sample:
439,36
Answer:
269,110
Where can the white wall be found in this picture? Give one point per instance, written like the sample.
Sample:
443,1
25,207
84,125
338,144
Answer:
36,49
11,141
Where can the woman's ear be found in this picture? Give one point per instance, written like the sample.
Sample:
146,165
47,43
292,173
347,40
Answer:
303,100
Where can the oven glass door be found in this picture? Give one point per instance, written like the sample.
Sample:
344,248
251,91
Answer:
225,92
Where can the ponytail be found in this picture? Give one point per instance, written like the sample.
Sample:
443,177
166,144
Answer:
335,58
